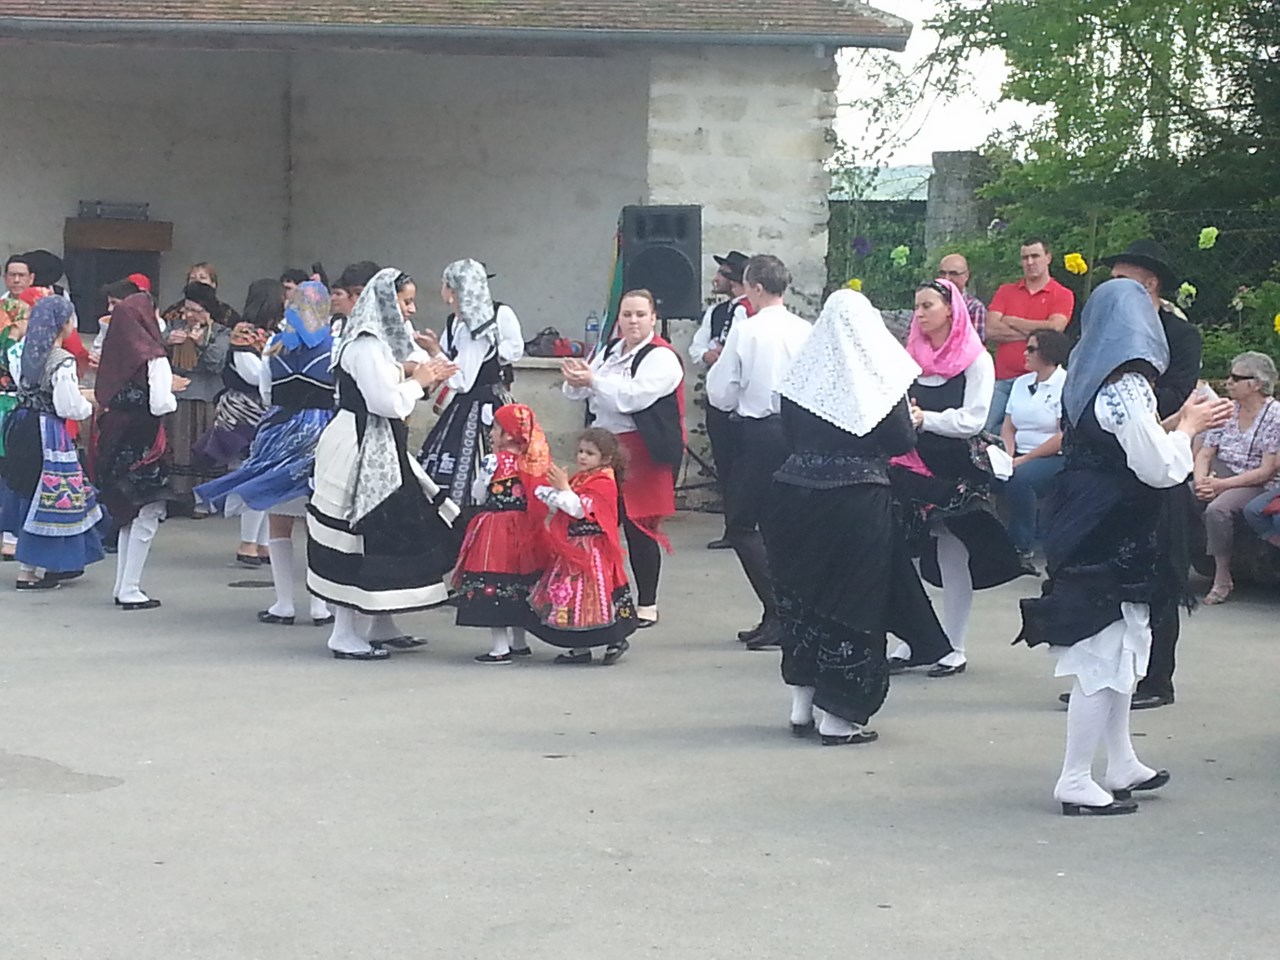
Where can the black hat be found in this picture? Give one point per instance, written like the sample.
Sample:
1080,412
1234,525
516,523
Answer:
46,266
1150,255
205,296
735,262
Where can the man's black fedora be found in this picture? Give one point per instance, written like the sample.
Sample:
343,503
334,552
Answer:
1148,254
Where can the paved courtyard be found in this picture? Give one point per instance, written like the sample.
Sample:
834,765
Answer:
188,783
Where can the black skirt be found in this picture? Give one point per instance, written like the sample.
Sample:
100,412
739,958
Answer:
844,579
459,441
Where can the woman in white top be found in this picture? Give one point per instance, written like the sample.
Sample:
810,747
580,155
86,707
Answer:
1116,544
1032,435
634,388
378,530
45,501
483,338
135,389
944,492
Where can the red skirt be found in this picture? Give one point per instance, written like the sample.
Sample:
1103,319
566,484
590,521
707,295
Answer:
649,492
501,559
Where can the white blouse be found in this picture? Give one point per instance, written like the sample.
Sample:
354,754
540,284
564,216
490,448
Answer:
968,419
473,353
566,501
68,402
615,394
380,379
248,365
161,399
1127,410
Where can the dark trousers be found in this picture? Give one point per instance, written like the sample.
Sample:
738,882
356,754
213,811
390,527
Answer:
646,562
722,432
1165,627
762,450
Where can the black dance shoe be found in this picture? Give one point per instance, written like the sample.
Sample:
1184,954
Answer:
495,658
1149,701
898,665
322,621
720,544
140,605
613,653
248,560
573,658
850,739
1114,809
770,635
747,635
65,575
802,730
938,670
1155,783
266,616
45,583
377,653
516,651
400,643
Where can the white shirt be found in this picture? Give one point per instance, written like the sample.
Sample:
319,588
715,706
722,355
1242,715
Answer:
1127,410
968,419
615,394
68,402
1037,417
472,352
755,360
380,379
702,340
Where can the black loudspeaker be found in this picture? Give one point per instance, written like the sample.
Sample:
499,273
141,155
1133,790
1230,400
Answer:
662,253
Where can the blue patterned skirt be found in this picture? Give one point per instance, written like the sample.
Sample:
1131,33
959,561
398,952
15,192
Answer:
46,501
278,470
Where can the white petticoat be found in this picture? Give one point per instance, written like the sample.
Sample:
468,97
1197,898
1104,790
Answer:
1114,658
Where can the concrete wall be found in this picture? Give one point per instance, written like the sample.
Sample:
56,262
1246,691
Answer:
745,133
520,162
198,135
955,211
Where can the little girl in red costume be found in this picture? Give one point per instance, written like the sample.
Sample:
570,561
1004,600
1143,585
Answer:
503,551
583,600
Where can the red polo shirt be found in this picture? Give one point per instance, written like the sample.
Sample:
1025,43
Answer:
1015,300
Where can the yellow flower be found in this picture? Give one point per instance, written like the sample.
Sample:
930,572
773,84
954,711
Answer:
1276,323
855,284
1075,264
1208,237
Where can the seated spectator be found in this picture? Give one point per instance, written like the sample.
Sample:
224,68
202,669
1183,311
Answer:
1032,435
1262,517
1237,461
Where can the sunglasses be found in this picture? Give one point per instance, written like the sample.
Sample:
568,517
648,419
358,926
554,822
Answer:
1238,377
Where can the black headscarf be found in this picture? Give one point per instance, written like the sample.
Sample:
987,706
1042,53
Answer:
264,304
205,296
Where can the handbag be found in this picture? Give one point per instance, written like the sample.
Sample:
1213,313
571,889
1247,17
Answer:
543,343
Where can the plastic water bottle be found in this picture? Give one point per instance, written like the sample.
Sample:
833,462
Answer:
591,331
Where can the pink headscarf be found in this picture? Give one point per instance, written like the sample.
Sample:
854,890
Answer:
961,347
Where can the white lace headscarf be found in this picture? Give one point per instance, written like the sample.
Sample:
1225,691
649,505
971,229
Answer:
851,371
469,281
377,312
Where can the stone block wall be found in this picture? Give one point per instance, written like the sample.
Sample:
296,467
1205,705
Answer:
744,132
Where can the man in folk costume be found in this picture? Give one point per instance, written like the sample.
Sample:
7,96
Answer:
708,344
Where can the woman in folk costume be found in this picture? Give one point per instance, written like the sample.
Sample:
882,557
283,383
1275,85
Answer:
14,314
483,338
583,600
240,406
634,388
841,568
1117,543
48,504
135,389
378,529
945,494
502,553
296,380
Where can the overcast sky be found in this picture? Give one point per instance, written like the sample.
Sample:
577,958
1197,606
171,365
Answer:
960,125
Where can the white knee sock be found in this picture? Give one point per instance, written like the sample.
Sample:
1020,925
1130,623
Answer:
9,540
141,533
501,641
1086,724
345,636
122,557
829,725
957,594
382,626
281,551
801,704
901,652
251,522
319,609
1124,769
518,642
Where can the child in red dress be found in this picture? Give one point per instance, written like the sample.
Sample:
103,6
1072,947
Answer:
503,551
583,600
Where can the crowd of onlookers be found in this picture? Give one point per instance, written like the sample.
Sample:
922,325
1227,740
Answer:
1029,323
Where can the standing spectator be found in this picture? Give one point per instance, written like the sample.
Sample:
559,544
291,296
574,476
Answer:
200,273
955,267
744,382
198,347
1237,461
18,275
707,345
1035,302
1032,434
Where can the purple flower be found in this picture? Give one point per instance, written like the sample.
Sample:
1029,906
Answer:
862,246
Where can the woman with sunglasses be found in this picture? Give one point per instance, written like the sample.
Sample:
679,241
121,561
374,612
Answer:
1238,461
1032,435
944,493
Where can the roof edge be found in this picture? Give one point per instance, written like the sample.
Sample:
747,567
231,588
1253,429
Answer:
66,27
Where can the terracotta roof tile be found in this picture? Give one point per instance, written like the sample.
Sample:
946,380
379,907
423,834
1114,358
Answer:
836,20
